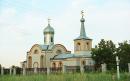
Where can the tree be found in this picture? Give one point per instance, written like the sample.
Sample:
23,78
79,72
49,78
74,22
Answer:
123,51
103,53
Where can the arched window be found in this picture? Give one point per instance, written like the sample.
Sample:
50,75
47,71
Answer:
53,65
78,47
58,52
60,64
51,39
41,61
44,39
36,52
87,46
29,62
83,63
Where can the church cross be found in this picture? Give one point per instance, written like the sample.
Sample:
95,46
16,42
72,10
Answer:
82,13
49,20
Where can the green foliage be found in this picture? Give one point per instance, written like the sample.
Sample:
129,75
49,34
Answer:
106,51
103,53
123,51
67,77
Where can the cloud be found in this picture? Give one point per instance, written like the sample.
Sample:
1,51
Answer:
106,20
19,30
18,33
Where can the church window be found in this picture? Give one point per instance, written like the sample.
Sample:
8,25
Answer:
36,51
44,39
78,47
53,65
87,46
60,64
51,39
78,43
83,63
58,52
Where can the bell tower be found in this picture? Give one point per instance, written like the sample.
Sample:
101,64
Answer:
48,34
82,43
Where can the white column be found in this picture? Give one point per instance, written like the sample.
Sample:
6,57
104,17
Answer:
10,70
24,71
129,67
48,70
117,64
35,70
2,70
14,71
64,69
103,67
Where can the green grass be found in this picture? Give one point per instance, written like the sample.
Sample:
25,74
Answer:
66,77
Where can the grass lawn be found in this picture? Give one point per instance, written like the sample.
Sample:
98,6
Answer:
66,77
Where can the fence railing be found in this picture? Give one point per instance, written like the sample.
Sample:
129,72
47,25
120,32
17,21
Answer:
63,69
28,71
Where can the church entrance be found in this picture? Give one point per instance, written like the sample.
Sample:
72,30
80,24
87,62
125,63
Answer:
35,65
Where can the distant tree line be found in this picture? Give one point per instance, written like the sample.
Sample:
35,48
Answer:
106,51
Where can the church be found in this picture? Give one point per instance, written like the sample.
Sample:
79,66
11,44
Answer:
54,55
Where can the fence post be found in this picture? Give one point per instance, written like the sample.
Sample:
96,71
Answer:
35,70
64,69
24,71
103,67
2,70
129,67
48,70
14,71
81,68
10,70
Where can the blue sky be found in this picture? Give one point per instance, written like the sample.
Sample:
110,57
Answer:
22,23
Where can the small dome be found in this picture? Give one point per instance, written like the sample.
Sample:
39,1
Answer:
49,29
82,19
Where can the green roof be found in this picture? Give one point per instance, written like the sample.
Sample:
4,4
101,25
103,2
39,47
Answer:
82,54
46,47
48,29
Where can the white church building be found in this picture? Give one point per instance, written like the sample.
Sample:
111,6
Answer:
54,55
